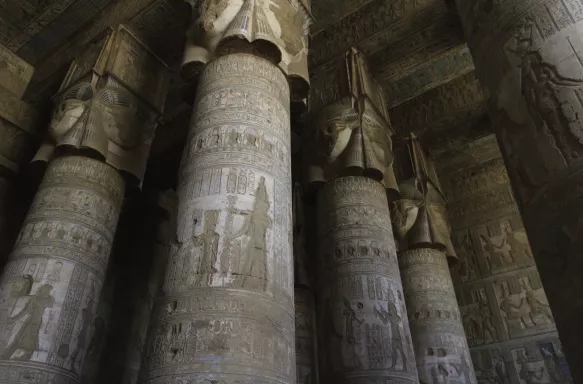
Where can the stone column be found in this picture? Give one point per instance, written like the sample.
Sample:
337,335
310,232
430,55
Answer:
441,348
226,313
305,306
17,136
529,57
362,323
424,242
50,288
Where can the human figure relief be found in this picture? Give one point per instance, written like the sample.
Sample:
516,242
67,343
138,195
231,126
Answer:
351,325
516,314
489,331
28,321
81,341
495,251
519,248
538,308
549,95
439,374
390,316
257,222
209,242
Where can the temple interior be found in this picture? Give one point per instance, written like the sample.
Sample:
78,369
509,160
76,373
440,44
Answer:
291,191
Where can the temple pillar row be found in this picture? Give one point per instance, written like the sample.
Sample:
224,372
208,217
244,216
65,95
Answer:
362,323
226,313
97,145
423,237
528,57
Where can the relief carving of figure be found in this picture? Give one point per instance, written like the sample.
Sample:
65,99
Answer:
518,246
550,97
209,242
392,318
439,374
257,222
352,326
538,308
84,333
489,333
495,252
517,314
28,321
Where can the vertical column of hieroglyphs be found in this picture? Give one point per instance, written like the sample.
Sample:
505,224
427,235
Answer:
227,310
362,323
50,288
529,56
305,314
423,238
17,133
505,312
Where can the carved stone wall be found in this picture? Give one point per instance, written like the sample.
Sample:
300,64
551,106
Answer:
441,349
504,309
17,136
51,285
363,330
227,309
528,56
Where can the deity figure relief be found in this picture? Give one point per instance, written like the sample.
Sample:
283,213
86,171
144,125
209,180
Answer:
496,253
352,330
54,276
489,332
517,314
257,222
439,374
208,241
392,318
83,335
538,308
518,246
28,320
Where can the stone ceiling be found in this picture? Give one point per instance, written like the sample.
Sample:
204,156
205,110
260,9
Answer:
416,50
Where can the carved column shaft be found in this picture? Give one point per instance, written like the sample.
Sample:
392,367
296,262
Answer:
441,348
305,314
227,310
528,55
362,326
51,285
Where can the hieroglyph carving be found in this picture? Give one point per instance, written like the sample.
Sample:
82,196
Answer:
350,129
108,105
363,329
274,29
227,311
441,348
51,285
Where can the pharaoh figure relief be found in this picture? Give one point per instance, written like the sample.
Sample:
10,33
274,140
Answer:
276,29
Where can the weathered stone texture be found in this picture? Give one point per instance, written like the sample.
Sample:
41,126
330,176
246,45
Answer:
227,311
504,309
362,320
528,56
52,282
306,367
441,348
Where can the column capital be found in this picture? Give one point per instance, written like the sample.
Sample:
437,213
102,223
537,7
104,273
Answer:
350,128
109,103
419,217
275,29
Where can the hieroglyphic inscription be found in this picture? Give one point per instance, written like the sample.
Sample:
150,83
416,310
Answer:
441,348
231,264
51,285
362,320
